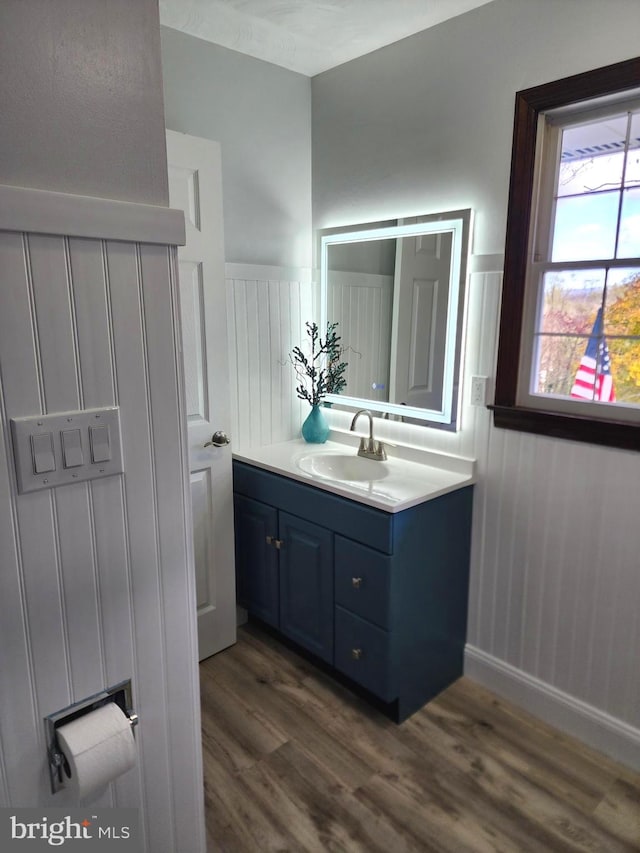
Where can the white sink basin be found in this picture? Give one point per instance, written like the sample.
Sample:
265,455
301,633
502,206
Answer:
391,486
343,468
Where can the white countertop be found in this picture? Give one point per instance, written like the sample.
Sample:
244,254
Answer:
405,483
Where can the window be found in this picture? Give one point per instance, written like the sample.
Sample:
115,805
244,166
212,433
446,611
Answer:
569,349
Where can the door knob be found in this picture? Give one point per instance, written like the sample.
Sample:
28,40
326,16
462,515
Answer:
218,439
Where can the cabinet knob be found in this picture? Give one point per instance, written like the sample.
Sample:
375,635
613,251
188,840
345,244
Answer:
278,543
269,540
356,583
356,654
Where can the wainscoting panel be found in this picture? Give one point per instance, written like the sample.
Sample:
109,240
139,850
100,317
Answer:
267,309
560,584
97,581
364,303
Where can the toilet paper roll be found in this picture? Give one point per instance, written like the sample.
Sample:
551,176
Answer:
99,747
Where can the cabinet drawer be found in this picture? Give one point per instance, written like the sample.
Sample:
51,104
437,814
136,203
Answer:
362,651
362,581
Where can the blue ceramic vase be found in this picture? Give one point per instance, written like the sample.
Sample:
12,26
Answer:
315,429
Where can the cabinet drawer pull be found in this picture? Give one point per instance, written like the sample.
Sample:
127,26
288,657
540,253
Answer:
356,583
356,654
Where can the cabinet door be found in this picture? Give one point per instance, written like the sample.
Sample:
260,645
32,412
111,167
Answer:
306,585
256,559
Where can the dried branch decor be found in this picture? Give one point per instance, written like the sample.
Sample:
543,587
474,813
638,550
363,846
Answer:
321,372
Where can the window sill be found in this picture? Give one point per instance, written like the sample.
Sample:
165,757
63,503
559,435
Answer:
572,427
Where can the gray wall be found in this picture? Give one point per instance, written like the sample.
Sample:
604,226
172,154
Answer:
376,256
261,116
424,125
81,98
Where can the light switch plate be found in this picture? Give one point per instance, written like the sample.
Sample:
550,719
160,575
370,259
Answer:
479,390
70,443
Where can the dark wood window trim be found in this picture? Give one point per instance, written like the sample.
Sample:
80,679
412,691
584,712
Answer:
530,103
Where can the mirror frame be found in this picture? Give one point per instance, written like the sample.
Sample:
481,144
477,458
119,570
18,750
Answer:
458,224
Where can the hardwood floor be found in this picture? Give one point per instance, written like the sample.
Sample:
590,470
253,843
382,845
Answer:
295,762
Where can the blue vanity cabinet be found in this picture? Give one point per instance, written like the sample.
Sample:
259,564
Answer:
381,597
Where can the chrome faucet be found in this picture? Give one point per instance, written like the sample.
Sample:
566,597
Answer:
369,448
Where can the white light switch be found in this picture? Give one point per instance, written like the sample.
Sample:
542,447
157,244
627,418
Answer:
100,445
66,447
72,448
42,453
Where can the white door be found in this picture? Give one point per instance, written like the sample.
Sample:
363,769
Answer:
195,186
419,326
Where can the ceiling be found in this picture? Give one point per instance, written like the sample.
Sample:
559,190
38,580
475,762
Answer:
308,36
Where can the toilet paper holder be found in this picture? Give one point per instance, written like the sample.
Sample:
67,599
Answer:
119,693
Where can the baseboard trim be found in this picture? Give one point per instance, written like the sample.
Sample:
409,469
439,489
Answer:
599,730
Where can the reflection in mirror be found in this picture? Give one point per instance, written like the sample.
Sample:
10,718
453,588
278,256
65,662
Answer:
397,292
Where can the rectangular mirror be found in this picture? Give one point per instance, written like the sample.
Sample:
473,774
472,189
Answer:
398,293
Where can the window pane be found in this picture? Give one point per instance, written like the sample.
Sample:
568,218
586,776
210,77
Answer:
585,227
632,175
570,301
557,362
577,177
625,369
592,156
629,242
622,310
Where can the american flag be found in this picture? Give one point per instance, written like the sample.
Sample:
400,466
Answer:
593,380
